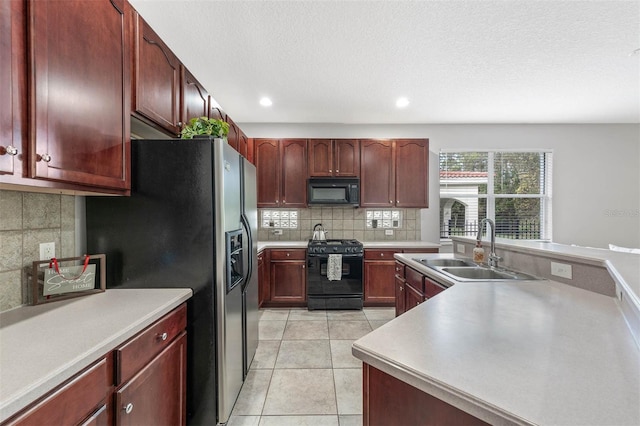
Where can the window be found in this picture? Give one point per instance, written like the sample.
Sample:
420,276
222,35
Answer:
511,187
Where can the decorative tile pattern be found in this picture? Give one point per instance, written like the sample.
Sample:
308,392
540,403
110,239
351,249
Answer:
29,219
344,222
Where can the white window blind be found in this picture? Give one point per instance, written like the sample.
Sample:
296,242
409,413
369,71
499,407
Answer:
511,187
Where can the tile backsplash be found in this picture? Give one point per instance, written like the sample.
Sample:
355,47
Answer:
26,220
344,222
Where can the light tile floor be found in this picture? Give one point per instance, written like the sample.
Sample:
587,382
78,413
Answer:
303,372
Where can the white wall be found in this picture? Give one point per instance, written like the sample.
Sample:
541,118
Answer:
596,177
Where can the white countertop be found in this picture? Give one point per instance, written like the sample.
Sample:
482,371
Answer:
367,244
42,346
531,352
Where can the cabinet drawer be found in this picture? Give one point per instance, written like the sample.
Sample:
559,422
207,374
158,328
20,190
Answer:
141,349
399,270
293,254
431,288
73,401
379,254
414,279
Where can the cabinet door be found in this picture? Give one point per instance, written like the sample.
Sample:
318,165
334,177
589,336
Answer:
412,173
267,156
288,283
376,174
156,88
13,111
320,159
74,401
194,98
157,394
400,297
347,157
379,283
233,138
80,62
216,112
412,297
294,173
243,142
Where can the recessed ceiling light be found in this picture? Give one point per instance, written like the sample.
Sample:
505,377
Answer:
402,102
265,102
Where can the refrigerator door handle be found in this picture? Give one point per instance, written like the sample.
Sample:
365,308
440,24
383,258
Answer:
247,228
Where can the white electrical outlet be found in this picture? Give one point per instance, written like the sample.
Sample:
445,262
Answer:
388,232
561,270
460,248
277,232
47,251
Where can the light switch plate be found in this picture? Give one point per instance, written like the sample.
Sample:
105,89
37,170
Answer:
460,248
563,270
388,232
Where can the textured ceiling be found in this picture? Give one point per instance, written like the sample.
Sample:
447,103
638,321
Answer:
471,61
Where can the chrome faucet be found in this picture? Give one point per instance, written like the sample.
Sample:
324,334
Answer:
493,257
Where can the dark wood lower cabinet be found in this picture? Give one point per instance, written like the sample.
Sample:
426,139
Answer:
142,382
157,394
390,401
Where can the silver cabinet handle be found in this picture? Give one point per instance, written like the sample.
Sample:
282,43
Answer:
46,158
381,254
288,255
10,150
128,408
163,336
337,171
330,170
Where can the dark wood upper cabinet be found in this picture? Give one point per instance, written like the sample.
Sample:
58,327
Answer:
394,173
294,172
281,172
244,150
216,112
156,79
412,173
194,98
267,161
80,69
320,161
13,86
377,174
340,157
346,157
233,138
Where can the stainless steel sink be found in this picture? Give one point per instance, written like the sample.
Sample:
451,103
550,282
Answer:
445,262
466,270
482,273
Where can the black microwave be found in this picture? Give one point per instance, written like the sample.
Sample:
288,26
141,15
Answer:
344,191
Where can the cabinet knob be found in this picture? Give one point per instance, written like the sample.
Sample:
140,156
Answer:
337,171
45,157
331,170
401,288
381,254
9,150
163,336
180,123
390,201
288,254
128,408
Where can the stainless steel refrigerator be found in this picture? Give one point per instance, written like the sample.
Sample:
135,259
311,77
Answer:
191,221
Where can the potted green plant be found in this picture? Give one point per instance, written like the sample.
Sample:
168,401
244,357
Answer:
205,126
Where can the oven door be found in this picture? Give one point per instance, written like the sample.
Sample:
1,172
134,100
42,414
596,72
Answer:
319,285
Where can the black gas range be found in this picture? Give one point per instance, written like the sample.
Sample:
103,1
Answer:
334,274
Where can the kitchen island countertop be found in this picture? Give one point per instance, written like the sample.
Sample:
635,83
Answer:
42,346
529,352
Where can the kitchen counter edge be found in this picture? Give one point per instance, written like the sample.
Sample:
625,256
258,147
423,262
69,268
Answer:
91,327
